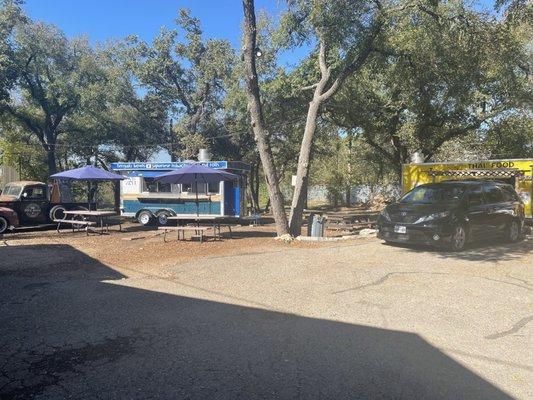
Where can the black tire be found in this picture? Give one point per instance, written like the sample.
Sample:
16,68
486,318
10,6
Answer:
145,218
56,212
458,239
513,231
387,243
4,225
162,217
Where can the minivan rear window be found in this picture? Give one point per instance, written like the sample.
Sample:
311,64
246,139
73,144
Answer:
434,194
509,194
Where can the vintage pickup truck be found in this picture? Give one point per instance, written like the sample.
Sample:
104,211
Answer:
30,203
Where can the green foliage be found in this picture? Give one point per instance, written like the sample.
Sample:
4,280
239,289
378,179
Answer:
443,72
10,16
187,75
53,76
340,23
443,79
28,160
511,137
70,97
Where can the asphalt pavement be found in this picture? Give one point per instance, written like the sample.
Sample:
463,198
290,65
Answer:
357,320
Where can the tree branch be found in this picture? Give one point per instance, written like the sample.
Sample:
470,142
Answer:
181,93
357,62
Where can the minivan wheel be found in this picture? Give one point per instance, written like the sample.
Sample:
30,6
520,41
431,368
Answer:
458,238
4,225
513,231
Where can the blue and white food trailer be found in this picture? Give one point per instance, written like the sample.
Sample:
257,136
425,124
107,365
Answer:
147,200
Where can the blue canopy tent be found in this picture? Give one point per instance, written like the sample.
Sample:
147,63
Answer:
87,173
196,173
91,174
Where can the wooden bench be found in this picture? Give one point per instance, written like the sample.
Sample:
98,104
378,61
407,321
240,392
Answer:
199,231
73,222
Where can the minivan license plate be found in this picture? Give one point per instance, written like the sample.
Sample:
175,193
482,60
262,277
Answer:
400,229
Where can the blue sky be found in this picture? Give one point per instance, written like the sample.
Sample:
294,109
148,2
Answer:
101,20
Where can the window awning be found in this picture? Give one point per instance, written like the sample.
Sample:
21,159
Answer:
146,174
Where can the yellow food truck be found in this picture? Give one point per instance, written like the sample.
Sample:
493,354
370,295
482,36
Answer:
517,172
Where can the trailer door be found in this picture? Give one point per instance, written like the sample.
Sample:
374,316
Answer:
229,198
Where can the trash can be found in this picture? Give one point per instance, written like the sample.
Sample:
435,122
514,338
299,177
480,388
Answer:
310,220
317,227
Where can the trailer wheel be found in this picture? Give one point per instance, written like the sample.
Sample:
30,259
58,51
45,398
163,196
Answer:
162,217
4,225
145,217
56,212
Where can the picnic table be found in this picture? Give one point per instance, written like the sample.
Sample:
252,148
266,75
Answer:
350,221
81,218
213,222
197,230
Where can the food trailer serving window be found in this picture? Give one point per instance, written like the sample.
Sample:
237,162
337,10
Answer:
212,188
153,186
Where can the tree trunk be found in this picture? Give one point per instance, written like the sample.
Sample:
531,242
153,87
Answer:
302,173
256,114
254,187
51,159
321,94
348,185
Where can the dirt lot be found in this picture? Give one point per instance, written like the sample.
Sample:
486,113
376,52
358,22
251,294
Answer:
112,317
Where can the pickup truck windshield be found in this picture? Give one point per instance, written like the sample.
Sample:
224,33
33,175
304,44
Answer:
12,190
434,195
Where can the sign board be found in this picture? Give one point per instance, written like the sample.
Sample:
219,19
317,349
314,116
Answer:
128,166
293,180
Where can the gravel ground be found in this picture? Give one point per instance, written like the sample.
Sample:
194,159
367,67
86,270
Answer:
114,317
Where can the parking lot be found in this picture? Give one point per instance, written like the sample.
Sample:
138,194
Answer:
252,318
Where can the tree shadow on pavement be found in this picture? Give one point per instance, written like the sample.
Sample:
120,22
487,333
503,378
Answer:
488,251
70,328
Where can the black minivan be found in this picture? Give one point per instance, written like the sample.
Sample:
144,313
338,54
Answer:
452,213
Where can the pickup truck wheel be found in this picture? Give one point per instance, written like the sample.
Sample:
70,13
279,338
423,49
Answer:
4,225
57,213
